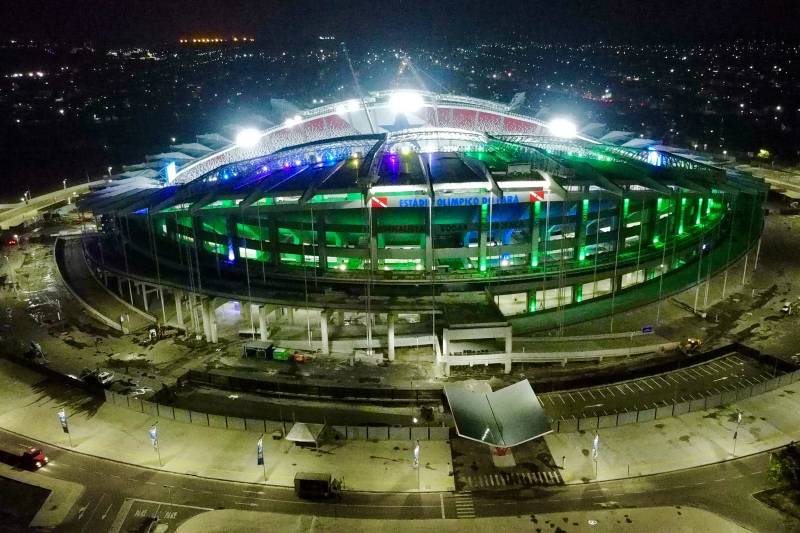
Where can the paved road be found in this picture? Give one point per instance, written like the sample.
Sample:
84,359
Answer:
120,496
723,374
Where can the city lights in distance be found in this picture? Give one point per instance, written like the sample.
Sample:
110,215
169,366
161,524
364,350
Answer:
247,137
562,127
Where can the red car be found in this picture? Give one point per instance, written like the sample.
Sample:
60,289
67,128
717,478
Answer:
33,458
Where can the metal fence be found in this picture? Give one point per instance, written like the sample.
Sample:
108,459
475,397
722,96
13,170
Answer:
566,425
258,425
415,393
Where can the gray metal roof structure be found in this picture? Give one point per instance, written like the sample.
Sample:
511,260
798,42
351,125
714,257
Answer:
504,418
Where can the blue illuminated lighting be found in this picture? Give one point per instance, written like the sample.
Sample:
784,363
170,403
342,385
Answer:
654,157
231,255
297,162
142,211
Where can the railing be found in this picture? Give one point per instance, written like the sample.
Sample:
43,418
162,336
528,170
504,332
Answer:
655,412
258,425
556,357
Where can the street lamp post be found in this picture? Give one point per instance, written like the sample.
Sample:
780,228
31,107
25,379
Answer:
62,418
595,451
260,455
736,432
416,463
154,441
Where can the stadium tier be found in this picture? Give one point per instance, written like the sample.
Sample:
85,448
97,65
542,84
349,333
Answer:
413,201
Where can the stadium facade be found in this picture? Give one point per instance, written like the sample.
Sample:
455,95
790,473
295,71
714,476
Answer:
413,202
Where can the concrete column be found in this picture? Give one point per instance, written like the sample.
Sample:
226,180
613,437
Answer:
244,311
212,319
445,342
179,308
143,290
390,332
322,245
581,218
262,322
508,338
483,237
535,209
119,286
206,319
290,315
339,318
323,331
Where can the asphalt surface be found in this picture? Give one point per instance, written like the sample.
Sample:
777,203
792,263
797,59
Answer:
119,497
723,374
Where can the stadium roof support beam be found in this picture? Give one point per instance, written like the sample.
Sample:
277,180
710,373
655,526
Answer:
312,188
480,168
260,190
426,171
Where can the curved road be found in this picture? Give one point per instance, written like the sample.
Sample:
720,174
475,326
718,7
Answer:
119,495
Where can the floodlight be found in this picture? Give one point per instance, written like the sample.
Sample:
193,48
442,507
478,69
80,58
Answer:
562,127
405,102
247,137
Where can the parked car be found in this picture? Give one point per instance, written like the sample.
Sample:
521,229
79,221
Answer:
105,377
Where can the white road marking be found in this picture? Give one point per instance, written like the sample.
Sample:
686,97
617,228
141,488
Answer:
105,514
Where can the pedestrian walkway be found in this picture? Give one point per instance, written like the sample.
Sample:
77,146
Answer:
514,479
768,421
465,505
29,403
640,520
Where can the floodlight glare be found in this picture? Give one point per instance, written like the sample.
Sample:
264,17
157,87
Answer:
562,127
405,102
247,137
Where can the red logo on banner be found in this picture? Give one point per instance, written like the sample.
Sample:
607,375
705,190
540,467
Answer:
537,196
379,201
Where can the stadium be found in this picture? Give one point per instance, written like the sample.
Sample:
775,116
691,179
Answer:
448,211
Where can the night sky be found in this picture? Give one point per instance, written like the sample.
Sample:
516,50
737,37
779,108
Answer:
403,22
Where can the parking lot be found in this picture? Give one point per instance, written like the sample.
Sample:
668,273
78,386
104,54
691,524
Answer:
722,374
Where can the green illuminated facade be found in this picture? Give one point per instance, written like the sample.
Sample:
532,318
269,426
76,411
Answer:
535,223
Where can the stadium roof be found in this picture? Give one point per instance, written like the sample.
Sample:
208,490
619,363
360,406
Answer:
460,146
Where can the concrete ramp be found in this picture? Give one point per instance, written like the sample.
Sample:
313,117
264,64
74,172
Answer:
96,298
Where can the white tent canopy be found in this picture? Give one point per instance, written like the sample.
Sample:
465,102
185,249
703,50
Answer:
305,433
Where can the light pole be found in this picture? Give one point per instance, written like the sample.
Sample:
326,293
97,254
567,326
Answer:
416,462
736,432
109,172
260,455
154,440
62,418
595,451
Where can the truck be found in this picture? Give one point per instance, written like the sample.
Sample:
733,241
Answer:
315,485
28,457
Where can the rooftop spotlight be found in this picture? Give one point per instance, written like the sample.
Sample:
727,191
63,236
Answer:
405,102
562,127
247,137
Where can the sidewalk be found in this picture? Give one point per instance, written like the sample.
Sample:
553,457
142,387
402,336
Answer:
29,406
63,495
769,420
642,520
